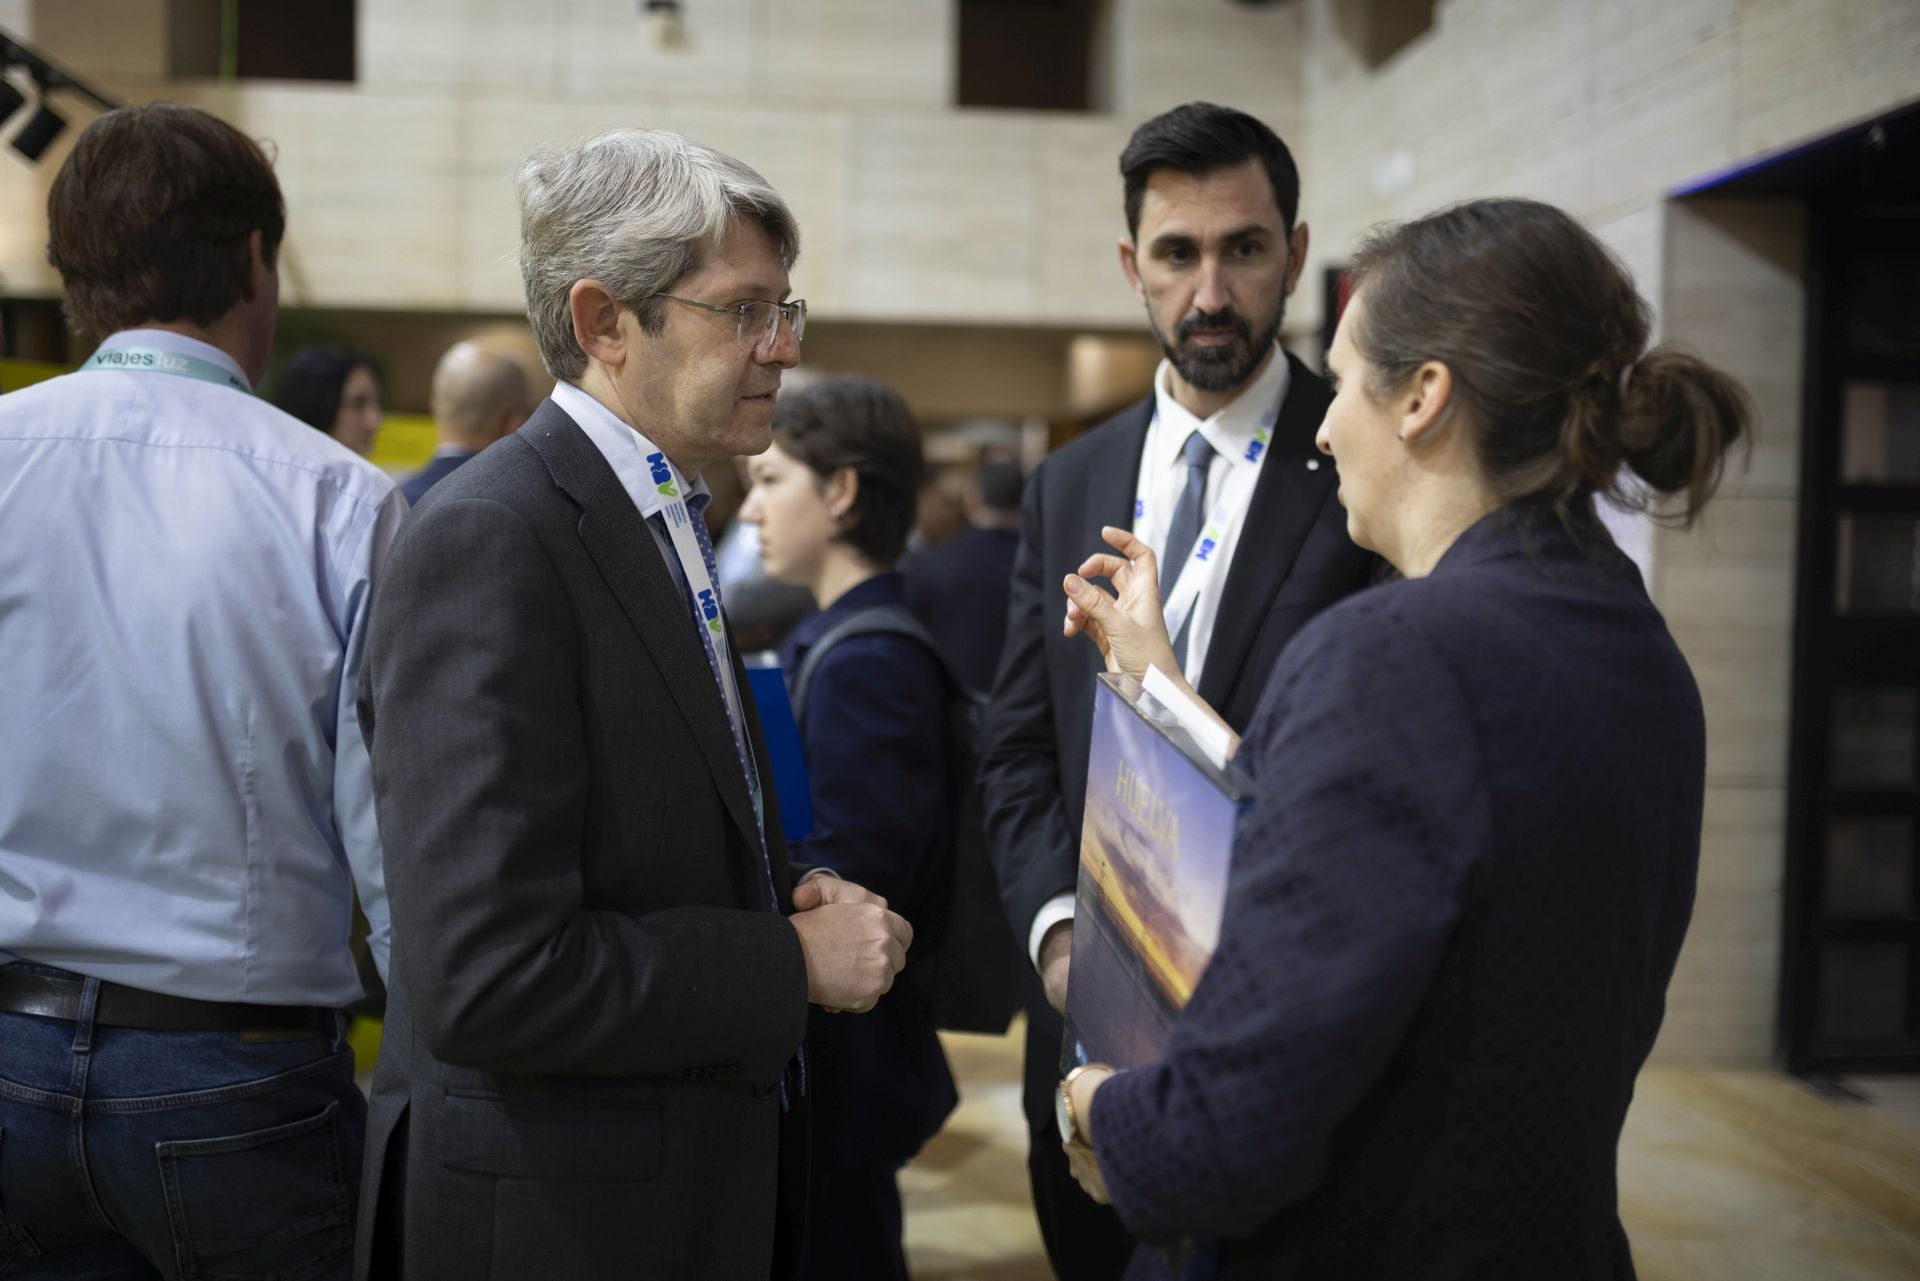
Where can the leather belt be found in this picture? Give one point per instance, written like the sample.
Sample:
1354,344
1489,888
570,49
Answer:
47,997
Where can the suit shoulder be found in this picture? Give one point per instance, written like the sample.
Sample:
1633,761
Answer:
1122,431
879,663
1376,624
507,472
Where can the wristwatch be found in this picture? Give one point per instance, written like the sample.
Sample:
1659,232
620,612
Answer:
1063,1109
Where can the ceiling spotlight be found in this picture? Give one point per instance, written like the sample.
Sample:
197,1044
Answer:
45,124
666,23
39,132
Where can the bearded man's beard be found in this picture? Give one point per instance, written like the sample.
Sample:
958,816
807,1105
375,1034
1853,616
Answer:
1228,366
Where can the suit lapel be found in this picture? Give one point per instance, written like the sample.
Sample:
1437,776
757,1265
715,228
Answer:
1286,502
1113,481
623,548
1107,498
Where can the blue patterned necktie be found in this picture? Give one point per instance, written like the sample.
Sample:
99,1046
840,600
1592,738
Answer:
1187,518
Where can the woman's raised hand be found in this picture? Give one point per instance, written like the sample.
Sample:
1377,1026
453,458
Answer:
1127,626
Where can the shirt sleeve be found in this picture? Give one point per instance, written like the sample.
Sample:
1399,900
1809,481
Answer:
1346,886
352,770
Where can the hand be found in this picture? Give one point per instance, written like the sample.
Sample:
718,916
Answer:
1056,955
824,888
1128,627
1085,1165
1082,1159
852,950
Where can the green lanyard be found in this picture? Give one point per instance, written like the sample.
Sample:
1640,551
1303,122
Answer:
165,362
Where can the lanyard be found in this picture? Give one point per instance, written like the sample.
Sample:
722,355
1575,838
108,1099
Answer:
164,362
1202,566
679,520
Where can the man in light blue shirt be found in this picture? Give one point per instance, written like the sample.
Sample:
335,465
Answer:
185,805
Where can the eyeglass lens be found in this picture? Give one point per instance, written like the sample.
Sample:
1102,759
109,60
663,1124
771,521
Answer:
759,322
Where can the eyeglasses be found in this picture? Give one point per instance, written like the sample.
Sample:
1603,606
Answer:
759,326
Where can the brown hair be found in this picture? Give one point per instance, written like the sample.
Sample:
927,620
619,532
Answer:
1545,337
847,421
150,214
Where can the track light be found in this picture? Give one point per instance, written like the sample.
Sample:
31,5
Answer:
39,132
45,124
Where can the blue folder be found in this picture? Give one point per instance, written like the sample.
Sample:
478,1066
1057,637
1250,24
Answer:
788,758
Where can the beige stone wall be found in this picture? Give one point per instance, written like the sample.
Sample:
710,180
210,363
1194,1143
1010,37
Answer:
398,186
1734,291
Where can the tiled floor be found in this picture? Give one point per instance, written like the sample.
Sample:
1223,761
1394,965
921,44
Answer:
1724,1176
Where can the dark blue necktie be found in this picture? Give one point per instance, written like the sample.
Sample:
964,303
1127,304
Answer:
1187,518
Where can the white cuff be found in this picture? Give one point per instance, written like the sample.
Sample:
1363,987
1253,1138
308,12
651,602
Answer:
1055,910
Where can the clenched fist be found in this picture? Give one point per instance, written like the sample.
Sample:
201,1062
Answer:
853,950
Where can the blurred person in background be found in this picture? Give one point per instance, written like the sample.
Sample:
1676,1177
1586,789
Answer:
833,500
335,389
186,801
959,588
1459,895
477,397
1216,469
940,515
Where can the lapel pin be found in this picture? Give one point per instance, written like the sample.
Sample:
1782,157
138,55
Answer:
1313,464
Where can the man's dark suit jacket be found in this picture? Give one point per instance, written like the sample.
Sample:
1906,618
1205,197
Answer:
1293,560
438,468
959,590
1450,924
592,1004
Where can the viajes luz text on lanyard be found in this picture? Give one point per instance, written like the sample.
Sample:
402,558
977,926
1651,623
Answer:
1202,566
154,360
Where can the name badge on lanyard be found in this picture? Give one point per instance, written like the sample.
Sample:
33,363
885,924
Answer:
1203,562
154,360
679,519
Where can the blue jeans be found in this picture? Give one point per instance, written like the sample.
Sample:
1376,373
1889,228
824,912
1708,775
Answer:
189,1156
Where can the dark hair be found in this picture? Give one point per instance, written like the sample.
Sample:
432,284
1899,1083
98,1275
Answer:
1200,139
313,380
1545,337
847,421
1000,485
148,218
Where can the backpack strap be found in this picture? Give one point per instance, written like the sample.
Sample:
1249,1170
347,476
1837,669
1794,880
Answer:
875,620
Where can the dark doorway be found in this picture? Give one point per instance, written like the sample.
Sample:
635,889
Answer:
1850,979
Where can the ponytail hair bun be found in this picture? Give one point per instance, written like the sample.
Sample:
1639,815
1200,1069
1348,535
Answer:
1679,419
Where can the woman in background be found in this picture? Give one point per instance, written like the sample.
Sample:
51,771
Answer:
334,389
1469,866
834,499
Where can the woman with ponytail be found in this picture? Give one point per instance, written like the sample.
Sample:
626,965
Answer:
1459,896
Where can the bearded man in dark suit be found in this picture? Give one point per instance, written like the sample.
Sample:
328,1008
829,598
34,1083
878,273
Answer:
1217,471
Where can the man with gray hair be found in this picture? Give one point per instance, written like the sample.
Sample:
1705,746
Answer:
602,959
478,396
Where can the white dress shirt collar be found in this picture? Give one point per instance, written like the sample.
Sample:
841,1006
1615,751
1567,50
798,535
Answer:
1231,428
626,450
180,344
